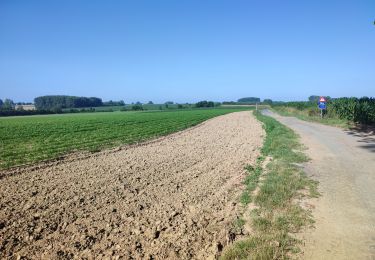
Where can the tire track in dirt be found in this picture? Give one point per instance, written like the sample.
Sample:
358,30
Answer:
171,198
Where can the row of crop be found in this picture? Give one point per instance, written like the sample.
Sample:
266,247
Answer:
358,110
361,110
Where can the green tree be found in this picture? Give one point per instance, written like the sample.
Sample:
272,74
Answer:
137,107
1,103
268,101
314,98
61,101
205,103
8,104
249,100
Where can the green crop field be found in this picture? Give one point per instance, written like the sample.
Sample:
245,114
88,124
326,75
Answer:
29,139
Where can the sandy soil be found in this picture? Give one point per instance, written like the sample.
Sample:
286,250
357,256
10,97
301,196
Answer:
343,162
170,198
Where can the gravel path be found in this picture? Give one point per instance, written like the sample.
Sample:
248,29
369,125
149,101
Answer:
344,164
173,197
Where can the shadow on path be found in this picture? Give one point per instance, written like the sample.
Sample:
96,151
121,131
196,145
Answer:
365,135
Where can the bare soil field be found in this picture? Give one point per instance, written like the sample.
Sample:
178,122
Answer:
174,197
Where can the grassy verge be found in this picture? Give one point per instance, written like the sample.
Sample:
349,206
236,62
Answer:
252,180
277,214
304,115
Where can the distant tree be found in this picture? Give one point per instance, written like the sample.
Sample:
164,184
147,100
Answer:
57,110
137,107
249,100
138,103
205,103
314,98
94,102
180,106
150,103
1,103
112,103
8,104
169,103
59,102
268,101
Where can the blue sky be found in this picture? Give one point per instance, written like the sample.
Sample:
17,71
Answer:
186,51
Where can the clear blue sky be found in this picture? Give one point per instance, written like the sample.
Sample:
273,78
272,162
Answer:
187,51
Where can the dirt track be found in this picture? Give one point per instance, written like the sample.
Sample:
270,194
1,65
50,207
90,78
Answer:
344,164
170,198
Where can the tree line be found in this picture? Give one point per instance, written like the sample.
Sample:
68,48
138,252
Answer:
244,101
249,100
205,103
61,101
7,104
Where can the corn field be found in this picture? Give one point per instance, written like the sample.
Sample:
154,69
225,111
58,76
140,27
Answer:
357,110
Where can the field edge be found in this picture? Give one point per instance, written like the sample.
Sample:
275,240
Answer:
272,198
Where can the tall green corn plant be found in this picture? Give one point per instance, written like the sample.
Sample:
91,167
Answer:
356,110
365,110
344,107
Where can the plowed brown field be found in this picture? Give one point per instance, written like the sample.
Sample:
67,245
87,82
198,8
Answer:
174,197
